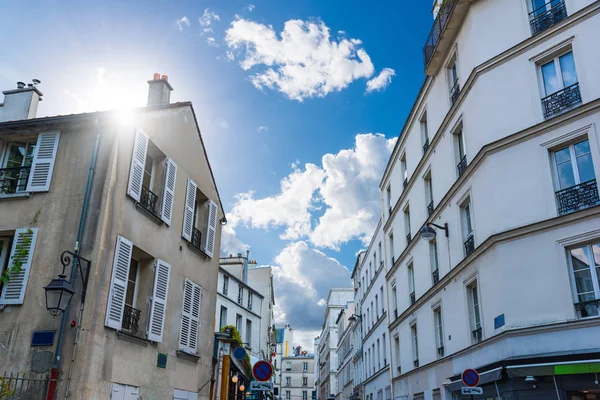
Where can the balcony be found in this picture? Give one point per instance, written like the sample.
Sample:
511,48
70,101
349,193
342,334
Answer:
442,34
408,239
436,276
430,208
577,197
412,297
454,92
196,241
440,351
462,166
426,146
561,100
469,245
588,308
131,317
543,18
477,335
13,180
148,201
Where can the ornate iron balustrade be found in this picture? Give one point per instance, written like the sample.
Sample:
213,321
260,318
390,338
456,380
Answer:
478,334
416,363
131,317
577,197
426,146
436,276
405,183
588,308
408,239
454,92
196,239
412,298
430,208
563,99
540,21
13,180
469,245
148,201
440,351
439,25
462,166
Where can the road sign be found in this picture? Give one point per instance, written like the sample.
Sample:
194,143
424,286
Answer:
262,371
261,386
471,390
239,353
470,377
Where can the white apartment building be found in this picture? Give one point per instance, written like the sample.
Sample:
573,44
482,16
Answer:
338,299
297,375
357,332
501,151
372,296
261,280
283,348
345,347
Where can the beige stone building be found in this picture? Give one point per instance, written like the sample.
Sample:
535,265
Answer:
297,377
132,192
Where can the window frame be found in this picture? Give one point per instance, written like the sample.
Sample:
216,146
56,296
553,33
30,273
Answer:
414,339
554,57
225,289
434,256
573,160
438,325
589,253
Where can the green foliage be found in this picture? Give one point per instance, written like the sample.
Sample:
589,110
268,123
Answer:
5,390
235,334
21,252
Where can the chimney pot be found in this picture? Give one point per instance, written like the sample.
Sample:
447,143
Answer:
159,91
20,85
165,77
239,254
156,76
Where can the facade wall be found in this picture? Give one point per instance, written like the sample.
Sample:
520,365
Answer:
300,371
261,280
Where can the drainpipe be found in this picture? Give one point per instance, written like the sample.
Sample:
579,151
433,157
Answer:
63,322
246,267
217,391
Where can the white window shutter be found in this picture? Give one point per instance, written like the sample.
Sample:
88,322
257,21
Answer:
118,392
43,162
132,392
169,192
188,214
190,317
118,283
138,162
211,231
158,308
13,292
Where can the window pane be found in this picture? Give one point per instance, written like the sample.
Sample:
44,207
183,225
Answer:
567,67
29,155
539,6
565,175
585,167
562,155
596,251
16,154
582,275
551,83
582,148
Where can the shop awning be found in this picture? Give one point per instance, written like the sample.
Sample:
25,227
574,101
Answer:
555,368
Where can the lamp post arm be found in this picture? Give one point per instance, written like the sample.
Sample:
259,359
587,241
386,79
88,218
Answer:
445,227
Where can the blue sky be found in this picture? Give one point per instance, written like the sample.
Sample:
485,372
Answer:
94,55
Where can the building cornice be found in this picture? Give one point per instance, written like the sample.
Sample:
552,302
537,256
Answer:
376,374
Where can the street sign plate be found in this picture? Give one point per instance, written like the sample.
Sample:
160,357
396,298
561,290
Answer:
262,371
470,377
239,353
261,386
471,390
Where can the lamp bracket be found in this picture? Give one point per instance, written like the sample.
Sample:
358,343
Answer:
445,227
69,258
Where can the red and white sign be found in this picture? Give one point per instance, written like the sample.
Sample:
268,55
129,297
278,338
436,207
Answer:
470,377
262,371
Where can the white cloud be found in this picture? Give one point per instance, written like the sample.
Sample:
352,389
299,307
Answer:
302,62
211,41
345,186
262,129
181,22
207,19
250,7
224,124
230,244
381,81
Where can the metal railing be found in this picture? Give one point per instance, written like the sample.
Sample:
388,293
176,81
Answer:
469,245
395,313
131,318
561,100
393,260
543,18
588,308
436,276
408,239
462,166
430,208
148,201
454,92
196,238
578,197
439,25
478,335
13,180
426,146
23,386
405,183
412,298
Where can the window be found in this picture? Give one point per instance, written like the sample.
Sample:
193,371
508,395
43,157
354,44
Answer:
304,366
288,381
225,285
199,220
375,260
424,132
378,355
305,380
467,226
238,323
560,84
384,351
381,255
546,13
372,315
428,194
575,178
459,150
16,165
21,249
288,395
415,344
397,353
474,312
223,318
240,295
288,365
452,71
388,193
370,272
304,394
433,256
391,239
249,300
382,301
249,333
376,307
411,283
439,331
404,170
395,300
124,392
407,225
585,271
373,355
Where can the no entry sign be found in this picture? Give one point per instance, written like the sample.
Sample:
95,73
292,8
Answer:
470,377
262,371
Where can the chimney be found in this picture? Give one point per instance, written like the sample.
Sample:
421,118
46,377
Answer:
159,92
21,103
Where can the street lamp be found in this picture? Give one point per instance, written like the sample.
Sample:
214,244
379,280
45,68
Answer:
354,317
60,291
234,379
242,387
428,233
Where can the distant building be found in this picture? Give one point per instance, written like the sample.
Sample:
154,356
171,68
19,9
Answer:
283,348
297,377
345,370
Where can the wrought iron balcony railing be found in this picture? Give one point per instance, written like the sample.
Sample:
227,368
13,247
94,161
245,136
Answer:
412,297
13,180
196,238
454,92
462,166
588,308
436,276
478,335
148,201
561,100
430,208
439,25
577,197
440,351
390,210
469,245
542,18
408,239
405,183
425,145
399,370
131,317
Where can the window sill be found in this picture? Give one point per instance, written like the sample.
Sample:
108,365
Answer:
152,216
197,251
132,338
187,356
15,195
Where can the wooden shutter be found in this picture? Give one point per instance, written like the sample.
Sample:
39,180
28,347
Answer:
188,214
138,161
169,191
211,231
13,292
190,317
118,283
158,308
43,162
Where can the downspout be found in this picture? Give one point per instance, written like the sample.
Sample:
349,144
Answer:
217,391
63,322
246,267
